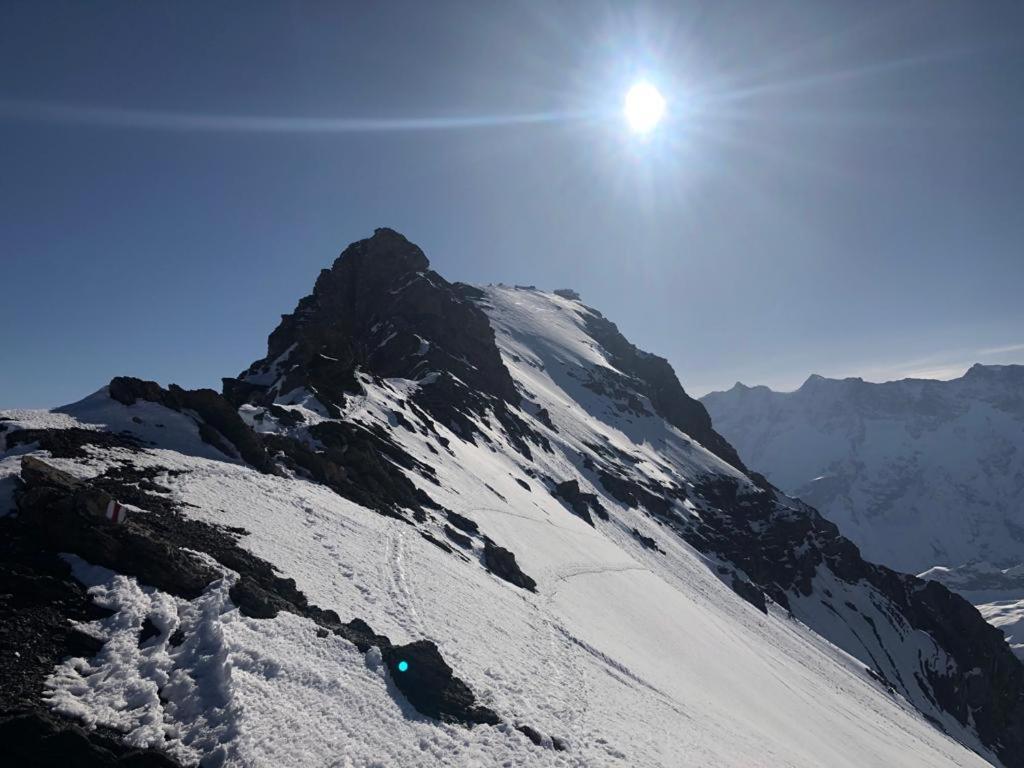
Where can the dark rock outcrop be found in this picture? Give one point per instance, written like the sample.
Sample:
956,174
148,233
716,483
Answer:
781,545
462,522
219,423
39,599
582,504
40,740
502,564
357,462
646,541
653,377
381,311
459,538
67,515
69,443
429,685
750,593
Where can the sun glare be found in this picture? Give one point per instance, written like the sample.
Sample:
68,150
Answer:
644,107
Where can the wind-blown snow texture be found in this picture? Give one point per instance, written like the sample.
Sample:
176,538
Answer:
497,471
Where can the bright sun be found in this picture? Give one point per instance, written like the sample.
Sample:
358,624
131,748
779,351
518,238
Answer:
644,107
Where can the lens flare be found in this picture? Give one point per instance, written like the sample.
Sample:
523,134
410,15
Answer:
644,107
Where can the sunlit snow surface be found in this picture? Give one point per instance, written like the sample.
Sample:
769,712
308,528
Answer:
632,657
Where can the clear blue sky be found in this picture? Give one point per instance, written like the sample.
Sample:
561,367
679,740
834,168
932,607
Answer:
838,188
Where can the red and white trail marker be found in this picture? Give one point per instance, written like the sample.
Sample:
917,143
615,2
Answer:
116,513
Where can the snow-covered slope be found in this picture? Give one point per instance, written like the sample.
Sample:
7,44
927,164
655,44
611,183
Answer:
632,659
441,525
918,473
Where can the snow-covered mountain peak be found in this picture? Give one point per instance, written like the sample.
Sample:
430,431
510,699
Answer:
440,524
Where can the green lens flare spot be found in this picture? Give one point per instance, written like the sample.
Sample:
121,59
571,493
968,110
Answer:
403,666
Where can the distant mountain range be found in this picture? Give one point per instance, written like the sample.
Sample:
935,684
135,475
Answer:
924,476
917,472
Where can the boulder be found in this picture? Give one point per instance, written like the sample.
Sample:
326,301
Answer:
421,673
579,502
502,564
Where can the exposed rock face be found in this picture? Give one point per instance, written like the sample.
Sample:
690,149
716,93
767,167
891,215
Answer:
579,502
502,563
997,593
43,741
654,377
219,423
382,311
429,685
356,462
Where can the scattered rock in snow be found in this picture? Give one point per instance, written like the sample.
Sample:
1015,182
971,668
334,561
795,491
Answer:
502,564
461,539
647,541
54,516
579,502
41,740
219,423
653,377
70,443
750,593
461,522
429,685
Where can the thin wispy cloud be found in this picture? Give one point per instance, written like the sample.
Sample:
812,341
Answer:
1001,350
943,366
948,365
117,117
